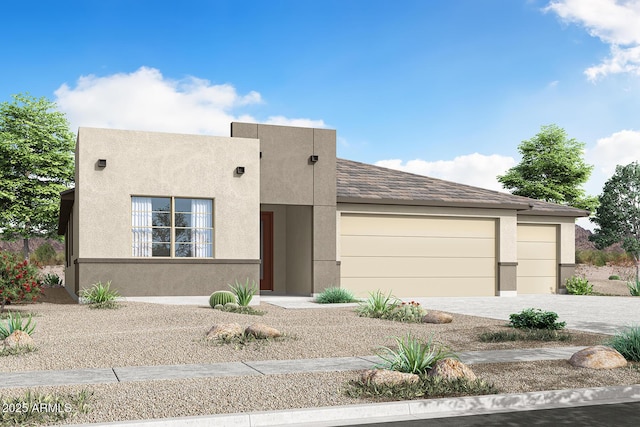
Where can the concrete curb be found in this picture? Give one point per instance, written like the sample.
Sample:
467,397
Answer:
405,410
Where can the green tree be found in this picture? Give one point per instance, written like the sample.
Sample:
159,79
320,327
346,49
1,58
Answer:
36,164
552,169
618,215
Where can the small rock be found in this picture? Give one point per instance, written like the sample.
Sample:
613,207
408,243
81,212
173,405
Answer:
388,377
260,330
598,357
18,339
225,331
437,317
451,369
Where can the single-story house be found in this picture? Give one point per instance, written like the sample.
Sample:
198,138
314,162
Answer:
161,214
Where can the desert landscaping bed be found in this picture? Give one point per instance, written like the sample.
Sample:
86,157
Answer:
74,336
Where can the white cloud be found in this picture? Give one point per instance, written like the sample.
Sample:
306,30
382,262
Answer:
621,148
284,121
146,100
615,23
474,169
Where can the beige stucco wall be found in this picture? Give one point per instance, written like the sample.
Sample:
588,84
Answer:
162,164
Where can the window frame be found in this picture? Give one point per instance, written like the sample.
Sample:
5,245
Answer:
172,227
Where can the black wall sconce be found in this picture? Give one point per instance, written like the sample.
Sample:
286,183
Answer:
102,163
240,170
313,158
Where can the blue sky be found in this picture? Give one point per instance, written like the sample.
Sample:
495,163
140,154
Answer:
446,88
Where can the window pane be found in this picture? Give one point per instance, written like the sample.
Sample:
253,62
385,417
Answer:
161,204
183,235
161,249
161,235
184,250
161,219
183,205
183,220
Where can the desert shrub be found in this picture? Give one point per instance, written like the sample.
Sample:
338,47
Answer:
578,286
614,277
406,312
426,387
18,280
627,343
44,254
240,309
33,408
525,335
601,258
15,322
634,288
535,318
377,305
221,297
51,280
244,292
100,296
413,356
335,295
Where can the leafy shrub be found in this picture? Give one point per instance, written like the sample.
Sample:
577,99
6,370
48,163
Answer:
406,312
44,254
335,295
100,296
578,286
614,277
525,335
413,356
244,293
426,387
377,305
221,297
627,343
51,280
26,409
601,258
535,318
18,280
634,288
15,322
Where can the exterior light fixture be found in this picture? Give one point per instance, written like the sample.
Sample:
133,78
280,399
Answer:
240,170
102,163
313,158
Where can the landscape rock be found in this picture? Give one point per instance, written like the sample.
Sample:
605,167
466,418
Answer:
18,339
598,357
260,330
387,377
437,317
451,369
225,331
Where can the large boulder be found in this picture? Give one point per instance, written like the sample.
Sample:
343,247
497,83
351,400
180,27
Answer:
18,339
260,330
225,331
598,357
437,317
387,377
451,369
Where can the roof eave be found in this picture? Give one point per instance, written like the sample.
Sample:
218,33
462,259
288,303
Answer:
438,203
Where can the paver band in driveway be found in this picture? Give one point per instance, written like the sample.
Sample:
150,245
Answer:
174,372
65,377
270,367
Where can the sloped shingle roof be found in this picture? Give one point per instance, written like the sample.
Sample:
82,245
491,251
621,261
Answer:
363,183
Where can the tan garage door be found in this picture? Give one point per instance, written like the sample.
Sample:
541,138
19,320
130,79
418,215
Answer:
537,265
415,256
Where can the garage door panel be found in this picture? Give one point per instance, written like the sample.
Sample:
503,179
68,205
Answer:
537,268
386,225
536,233
536,285
415,287
401,246
390,267
536,250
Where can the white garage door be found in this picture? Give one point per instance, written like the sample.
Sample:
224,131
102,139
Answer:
415,256
537,265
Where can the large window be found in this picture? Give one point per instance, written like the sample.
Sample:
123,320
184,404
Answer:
172,227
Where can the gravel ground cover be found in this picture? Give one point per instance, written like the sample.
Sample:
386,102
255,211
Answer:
70,336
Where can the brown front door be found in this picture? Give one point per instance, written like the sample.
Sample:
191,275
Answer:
266,251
